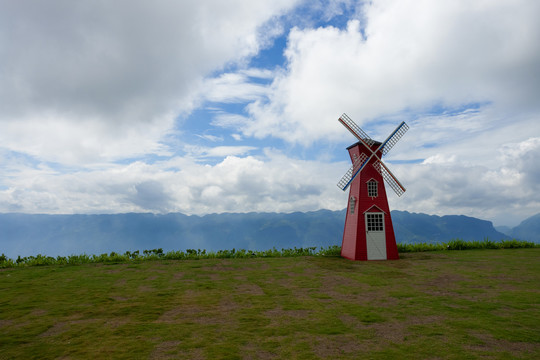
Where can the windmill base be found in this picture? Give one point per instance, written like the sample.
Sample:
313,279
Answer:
362,242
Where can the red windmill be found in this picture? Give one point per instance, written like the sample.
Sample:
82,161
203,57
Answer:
368,233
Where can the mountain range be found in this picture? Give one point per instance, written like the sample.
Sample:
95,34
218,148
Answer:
31,234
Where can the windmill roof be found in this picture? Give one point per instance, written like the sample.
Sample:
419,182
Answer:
360,143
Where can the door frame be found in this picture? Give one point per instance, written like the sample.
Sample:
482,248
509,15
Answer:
375,239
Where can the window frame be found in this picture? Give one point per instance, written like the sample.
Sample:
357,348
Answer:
375,221
372,188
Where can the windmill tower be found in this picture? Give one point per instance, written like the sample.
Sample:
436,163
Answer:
368,233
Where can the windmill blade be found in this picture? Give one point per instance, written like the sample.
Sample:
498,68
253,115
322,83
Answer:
361,162
355,169
355,130
390,179
394,138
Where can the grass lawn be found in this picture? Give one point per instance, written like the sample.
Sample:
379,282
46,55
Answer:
468,304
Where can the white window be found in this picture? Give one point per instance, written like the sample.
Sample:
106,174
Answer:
372,188
375,222
352,204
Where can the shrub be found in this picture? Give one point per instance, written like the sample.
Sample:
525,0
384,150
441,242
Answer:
192,254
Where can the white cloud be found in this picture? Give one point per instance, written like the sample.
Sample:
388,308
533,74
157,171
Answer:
226,120
83,141
274,182
217,151
235,87
90,73
506,194
464,76
83,84
236,184
440,159
410,55
212,138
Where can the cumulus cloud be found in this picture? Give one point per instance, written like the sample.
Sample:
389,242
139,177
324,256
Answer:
271,183
90,75
86,86
217,151
407,55
505,194
464,76
236,87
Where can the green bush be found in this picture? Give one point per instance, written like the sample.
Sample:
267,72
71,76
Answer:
458,244
192,254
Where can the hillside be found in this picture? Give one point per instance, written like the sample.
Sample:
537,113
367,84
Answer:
528,229
418,227
23,234
277,308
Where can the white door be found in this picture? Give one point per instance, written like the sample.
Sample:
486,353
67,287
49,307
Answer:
375,236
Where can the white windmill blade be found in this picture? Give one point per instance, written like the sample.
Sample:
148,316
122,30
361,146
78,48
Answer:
394,138
390,178
355,169
355,130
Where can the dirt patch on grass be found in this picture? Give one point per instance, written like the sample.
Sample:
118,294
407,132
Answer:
347,289
227,305
117,268
338,345
117,322
443,285
390,331
299,313
179,276
279,315
249,289
226,265
54,330
488,343
145,288
120,282
5,323
63,326
250,352
445,280
39,312
178,314
223,265
165,350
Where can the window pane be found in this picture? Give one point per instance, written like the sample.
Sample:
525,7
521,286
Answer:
375,222
372,188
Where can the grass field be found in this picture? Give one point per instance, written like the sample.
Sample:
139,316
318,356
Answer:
467,304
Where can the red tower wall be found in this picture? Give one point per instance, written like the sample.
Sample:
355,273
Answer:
354,245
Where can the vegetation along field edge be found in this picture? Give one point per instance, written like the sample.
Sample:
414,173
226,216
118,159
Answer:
192,254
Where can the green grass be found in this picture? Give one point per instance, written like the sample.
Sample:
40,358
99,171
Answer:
438,305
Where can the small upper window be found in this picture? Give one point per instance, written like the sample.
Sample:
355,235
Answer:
372,188
352,204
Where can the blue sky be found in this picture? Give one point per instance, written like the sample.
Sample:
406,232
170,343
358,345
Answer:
210,106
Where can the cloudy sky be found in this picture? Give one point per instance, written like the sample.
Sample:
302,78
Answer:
209,106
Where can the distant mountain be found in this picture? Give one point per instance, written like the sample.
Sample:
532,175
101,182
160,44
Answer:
422,228
529,229
25,234
507,230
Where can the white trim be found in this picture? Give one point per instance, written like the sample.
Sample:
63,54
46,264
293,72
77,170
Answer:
374,206
376,239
